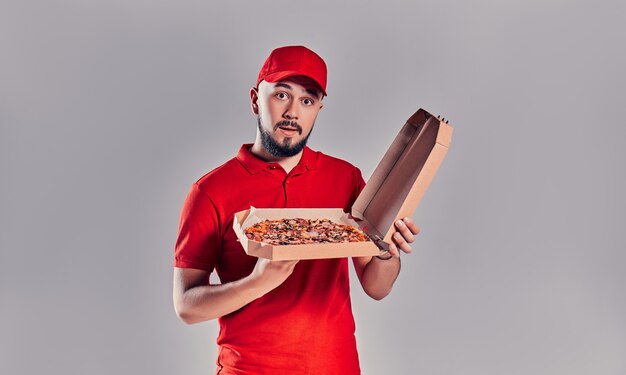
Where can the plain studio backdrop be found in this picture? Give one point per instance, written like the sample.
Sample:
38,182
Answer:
110,110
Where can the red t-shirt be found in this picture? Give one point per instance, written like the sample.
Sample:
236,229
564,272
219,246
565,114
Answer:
304,326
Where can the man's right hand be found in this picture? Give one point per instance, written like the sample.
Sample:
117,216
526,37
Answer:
269,274
196,300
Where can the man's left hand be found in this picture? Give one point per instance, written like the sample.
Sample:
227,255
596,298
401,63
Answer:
406,230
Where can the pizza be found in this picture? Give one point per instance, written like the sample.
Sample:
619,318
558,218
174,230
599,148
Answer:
300,231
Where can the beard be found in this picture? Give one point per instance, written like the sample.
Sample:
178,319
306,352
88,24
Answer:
276,149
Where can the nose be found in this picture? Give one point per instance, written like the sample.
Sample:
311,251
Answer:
291,112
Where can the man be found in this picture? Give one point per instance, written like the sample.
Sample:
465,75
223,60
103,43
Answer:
277,317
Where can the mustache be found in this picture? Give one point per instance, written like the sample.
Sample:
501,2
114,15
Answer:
289,123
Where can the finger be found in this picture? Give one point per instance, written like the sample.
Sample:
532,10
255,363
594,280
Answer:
401,242
288,261
404,231
285,264
393,250
411,225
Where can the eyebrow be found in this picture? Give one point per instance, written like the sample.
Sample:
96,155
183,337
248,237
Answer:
310,91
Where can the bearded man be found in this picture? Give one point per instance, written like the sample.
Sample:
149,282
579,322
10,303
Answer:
277,317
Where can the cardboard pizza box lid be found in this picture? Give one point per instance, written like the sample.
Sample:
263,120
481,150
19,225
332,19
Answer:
400,180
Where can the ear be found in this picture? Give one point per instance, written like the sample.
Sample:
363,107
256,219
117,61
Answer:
254,100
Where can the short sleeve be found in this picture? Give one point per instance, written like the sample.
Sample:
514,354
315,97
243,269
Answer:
358,183
199,242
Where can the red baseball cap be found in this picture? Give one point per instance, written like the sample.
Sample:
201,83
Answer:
291,61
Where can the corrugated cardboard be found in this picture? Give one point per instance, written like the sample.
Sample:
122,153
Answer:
393,191
400,180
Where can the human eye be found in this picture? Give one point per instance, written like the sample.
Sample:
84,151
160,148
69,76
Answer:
308,101
281,95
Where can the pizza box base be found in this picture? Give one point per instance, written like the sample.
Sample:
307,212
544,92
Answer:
245,218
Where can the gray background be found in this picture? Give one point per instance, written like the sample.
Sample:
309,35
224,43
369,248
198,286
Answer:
110,110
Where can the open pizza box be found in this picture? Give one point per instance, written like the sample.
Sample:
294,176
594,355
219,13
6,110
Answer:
394,191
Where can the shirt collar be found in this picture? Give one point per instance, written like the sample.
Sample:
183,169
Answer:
255,165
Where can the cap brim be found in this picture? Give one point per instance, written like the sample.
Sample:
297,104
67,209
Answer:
279,76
